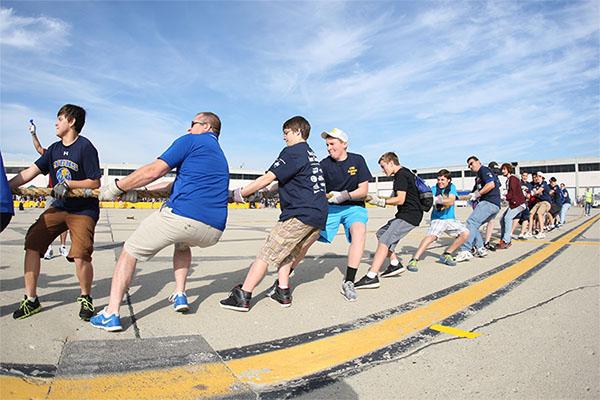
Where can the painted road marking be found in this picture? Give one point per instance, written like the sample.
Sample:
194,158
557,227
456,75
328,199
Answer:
454,331
276,367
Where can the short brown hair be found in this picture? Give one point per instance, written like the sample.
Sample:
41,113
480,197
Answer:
389,156
213,120
472,158
445,173
508,167
73,112
298,123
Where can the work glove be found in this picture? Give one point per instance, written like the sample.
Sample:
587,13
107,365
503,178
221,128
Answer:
235,196
376,201
31,127
338,197
439,199
474,195
60,191
130,196
110,192
87,193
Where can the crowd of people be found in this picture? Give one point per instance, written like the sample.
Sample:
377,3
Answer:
315,197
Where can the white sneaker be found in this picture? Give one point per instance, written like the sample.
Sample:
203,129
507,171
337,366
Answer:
527,235
482,252
463,256
63,250
540,235
515,237
49,253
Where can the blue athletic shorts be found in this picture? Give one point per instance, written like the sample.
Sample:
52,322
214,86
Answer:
344,215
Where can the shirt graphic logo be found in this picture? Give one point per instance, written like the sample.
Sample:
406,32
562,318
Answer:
65,153
352,170
63,174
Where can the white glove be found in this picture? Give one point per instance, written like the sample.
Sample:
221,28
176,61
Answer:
236,195
475,195
60,191
376,201
31,127
110,192
439,199
338,197
87,193
131,196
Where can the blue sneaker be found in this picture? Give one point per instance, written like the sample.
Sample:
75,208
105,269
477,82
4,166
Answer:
103,320
180,302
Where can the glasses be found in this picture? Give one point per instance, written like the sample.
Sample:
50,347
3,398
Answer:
198,122
469,164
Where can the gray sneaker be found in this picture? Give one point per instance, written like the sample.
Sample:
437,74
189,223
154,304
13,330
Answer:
348,291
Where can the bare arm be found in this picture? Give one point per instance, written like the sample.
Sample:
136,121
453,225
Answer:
361,191
398,200
488,187
24,176
162,186
37,144
144,175
449,201
84,184
258,184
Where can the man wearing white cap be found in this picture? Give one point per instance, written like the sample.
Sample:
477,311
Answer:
541,191
347,184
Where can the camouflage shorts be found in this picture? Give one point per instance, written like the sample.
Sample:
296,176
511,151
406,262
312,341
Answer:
286,240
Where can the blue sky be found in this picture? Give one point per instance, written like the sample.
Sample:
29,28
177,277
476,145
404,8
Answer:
433,81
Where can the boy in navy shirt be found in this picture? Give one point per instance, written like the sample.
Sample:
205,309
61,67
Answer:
541,192
73,164
566,204
303,215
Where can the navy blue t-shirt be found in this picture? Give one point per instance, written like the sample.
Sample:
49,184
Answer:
545,195
556,195
75,162
566,197
346,175
485,176
301,185
200,188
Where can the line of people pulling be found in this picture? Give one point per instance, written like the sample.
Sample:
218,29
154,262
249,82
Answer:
316,197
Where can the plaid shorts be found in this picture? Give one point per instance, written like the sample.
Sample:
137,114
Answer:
285,241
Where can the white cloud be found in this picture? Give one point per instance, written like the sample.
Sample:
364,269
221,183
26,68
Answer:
31,33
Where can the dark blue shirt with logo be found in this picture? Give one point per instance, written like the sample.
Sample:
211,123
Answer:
483,177
301,185
75,162
566,197
545,195
346,175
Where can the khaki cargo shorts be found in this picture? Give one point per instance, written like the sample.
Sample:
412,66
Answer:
285,241
541,208
163,228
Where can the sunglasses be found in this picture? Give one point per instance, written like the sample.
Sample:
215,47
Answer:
198,122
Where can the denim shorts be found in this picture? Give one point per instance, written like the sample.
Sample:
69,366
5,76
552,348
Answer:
342,215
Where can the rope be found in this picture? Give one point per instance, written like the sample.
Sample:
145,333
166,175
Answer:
80,193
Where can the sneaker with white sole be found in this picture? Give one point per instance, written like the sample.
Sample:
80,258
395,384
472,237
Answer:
463,256
447,259
63,250
348,291
393,270
412,265
238,300
180,303
540,235
49,253
527,235
367,283
481,252
108,322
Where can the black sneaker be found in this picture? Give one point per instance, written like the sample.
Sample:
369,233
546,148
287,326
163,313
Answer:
27,308
367,283
282,296
490,246
271,291
87,308
392,270
238,300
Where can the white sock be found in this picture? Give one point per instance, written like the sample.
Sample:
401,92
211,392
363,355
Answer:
32,299
371,274
394,262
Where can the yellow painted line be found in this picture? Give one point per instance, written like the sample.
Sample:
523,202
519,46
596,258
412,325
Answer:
276,367
17,388
454,331
584,243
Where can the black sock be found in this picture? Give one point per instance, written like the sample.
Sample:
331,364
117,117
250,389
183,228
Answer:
350,274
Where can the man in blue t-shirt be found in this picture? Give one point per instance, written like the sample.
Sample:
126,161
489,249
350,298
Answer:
194,216
541,192
72,163
443,220
303,215
7,209
488,194
566,204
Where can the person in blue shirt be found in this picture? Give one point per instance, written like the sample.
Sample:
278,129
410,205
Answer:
566,204
443,220
194,216
553,216
303,215
7,209
488,194
72,163
489,227
541,192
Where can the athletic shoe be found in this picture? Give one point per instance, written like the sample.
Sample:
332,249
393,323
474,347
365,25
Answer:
49,253
464,256
540,235
490,246
180,302
87,308
63,250
503,245
27,308
282,296
367,283
515,237
393,270
108,322
271,290
238,300
348,291
447,259
412,265
527,235
481,252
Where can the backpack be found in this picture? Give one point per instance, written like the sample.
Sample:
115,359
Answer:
425,193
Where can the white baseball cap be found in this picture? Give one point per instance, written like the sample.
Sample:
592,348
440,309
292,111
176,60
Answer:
335,133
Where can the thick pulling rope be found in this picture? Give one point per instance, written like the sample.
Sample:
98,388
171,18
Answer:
82,193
